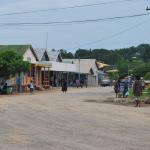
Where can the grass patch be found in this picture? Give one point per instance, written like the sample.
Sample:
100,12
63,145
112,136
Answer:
145,94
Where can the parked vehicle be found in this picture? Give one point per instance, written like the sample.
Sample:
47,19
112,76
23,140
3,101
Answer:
106,82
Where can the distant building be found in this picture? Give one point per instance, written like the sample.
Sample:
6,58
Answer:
85,69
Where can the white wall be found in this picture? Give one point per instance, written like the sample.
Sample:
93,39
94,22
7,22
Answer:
95,69
28,56
92,80
58,66
64,67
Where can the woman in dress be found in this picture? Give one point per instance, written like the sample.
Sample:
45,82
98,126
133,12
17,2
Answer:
64,86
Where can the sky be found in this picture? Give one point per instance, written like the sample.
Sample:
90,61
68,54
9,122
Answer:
112,34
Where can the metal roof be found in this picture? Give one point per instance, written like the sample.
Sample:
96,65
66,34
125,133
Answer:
83,65
53,55
19,49
39,52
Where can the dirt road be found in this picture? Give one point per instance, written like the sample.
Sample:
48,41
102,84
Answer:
72,121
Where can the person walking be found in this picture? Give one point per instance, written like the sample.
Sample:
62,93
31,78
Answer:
82,83
64,86
77,83
86,85
117,87
137,91
31,87
125,90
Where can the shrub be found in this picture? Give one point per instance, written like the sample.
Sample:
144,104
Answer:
147,76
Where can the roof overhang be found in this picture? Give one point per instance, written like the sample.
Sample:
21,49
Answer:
43,64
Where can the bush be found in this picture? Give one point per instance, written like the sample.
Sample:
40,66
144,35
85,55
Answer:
12,63
142,69
148,91
147,76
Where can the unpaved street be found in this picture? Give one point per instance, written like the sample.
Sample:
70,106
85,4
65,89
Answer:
72,121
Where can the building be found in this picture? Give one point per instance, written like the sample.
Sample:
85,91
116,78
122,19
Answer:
47,68
35,72
59,70
86,69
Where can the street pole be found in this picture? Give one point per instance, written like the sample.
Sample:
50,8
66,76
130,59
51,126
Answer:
79,69
46,40
128,68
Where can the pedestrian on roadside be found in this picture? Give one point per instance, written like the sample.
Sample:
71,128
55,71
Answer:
1,87
86,82
82,83
77,83
125,90
117,87
31,87
64,86
137,91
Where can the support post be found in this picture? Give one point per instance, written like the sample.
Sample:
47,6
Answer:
79,70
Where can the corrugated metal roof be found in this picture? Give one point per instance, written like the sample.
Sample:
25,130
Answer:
39,52
102,65
83,65
19,49
53,55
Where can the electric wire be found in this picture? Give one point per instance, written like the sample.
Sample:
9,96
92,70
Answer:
73,21
65,8
113,35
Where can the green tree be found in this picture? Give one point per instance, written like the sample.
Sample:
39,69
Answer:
147,76
123,68
142,69
144,52
83,54
113,75
12,63
66,55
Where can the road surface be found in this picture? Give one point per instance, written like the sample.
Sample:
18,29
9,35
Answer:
78,120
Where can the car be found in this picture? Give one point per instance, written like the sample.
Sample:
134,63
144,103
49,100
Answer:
106,82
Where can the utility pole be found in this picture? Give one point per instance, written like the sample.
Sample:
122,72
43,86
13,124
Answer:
79,69
46,40
128,68
148,8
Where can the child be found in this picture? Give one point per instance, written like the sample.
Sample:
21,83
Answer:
31,86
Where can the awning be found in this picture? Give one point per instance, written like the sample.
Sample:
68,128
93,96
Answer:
109,71
43,64
102,65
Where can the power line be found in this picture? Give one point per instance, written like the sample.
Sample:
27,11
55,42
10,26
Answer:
73,21
65,8
113,35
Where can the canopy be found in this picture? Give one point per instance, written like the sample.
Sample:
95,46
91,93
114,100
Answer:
102,65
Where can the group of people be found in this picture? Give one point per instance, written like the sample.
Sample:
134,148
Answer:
78,83
81,83
123,86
